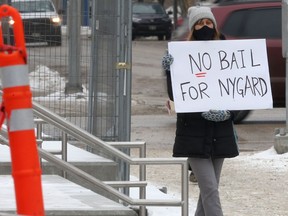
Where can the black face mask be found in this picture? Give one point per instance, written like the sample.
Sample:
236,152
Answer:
205,33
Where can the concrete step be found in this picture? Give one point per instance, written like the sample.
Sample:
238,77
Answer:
97,166
64,198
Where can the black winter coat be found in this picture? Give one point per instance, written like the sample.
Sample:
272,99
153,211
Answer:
198,137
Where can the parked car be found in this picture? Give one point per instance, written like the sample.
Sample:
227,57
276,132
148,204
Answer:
252,20
150,19
40,20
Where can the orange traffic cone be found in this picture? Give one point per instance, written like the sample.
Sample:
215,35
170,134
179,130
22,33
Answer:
17,109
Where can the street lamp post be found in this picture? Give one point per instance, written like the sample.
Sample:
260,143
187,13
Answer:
281,136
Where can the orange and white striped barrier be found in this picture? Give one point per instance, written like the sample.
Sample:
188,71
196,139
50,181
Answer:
17,109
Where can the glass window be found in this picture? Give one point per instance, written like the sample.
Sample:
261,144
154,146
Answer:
234,23
148,9
33,6
254,23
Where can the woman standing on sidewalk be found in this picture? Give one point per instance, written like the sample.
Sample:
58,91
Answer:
205,138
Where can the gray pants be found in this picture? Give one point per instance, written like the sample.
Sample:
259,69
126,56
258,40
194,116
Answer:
207,172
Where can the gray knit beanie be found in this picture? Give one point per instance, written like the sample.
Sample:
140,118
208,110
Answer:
196,13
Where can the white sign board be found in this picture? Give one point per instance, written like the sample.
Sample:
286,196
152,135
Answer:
222,75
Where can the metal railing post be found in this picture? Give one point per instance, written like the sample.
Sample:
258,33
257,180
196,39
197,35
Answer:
39,128
64,150
142,176
185,190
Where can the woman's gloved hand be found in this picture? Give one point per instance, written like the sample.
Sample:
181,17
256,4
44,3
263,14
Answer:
216,115
167,60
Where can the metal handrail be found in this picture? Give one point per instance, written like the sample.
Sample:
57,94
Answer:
92,141
78,173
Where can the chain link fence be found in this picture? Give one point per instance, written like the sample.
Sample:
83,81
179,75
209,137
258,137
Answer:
78,75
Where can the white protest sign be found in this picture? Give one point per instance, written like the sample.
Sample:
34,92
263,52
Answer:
222,75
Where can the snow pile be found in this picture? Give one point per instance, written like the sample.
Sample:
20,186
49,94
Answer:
44,80
268,159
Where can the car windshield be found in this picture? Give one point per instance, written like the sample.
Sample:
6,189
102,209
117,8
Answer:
33,6
148,9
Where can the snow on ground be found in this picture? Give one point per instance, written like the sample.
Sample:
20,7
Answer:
267,159
43,79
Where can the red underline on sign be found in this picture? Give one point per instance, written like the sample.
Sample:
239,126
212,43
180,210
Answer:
200,74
